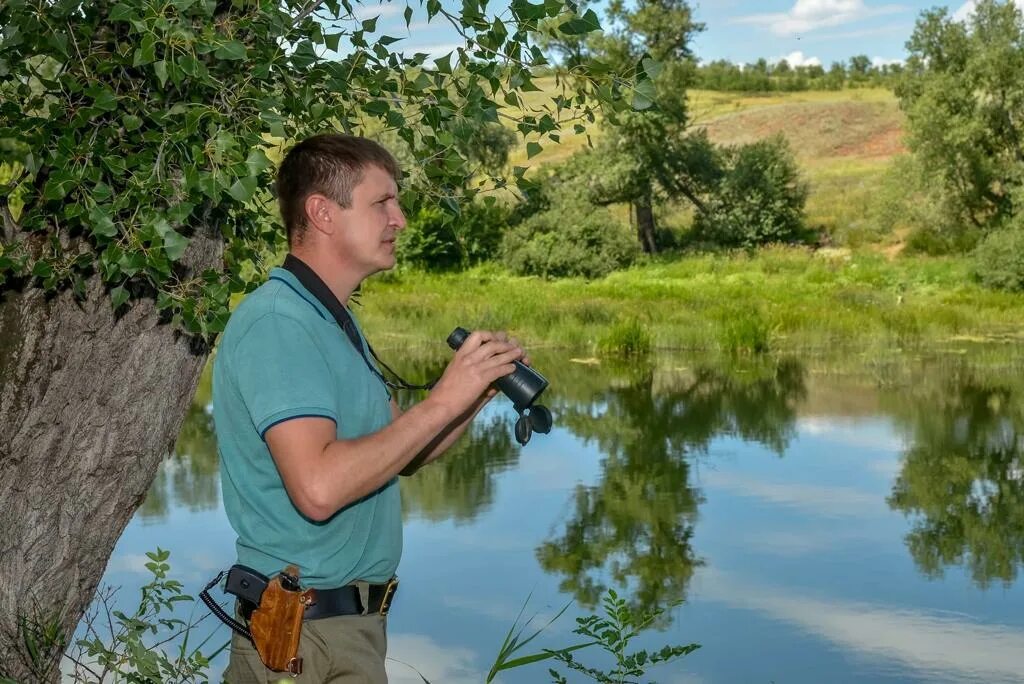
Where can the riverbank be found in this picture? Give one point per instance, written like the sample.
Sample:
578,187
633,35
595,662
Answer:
781,299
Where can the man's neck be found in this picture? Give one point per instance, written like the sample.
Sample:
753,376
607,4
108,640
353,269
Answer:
340,280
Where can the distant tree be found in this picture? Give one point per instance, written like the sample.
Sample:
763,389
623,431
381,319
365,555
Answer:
758,198
963,95
860,67
836,77
651,38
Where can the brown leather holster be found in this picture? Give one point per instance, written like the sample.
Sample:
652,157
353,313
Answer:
276,624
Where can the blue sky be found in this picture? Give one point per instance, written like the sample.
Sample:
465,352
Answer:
802,31
807,30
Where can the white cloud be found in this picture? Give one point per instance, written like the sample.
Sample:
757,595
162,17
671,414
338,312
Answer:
433,51
797,59
940,647
967,9
809,15
363,12
415,657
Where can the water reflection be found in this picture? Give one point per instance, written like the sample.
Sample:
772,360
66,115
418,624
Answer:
635,526
961,478
461,485
189,478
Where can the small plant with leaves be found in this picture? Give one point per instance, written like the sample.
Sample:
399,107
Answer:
613,632
150,645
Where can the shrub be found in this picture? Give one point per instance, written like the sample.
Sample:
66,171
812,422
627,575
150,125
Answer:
999,259
570,238
759,199
435,240
629,337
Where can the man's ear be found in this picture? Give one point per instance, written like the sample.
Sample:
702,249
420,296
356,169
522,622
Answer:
320,213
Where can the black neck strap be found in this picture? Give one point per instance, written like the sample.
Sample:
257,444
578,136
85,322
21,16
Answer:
318,288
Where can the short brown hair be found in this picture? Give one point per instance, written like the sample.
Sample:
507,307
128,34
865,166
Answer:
331,164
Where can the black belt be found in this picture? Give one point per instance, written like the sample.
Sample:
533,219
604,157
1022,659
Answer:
345,601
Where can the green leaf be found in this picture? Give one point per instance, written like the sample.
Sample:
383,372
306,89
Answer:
105,100
231,50
118,296
121,12
651,67
160,68
643,95
243,189
581,25
257,162
101,224
444,64
174,245
131,122
370,25
408,16
42,269
533,149
331,41
376,107
146,52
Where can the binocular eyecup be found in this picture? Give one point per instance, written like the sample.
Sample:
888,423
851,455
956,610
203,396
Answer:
523,386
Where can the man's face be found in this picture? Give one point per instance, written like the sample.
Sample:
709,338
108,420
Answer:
369,226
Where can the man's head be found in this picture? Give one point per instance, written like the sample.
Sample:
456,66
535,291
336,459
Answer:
338,197
331,165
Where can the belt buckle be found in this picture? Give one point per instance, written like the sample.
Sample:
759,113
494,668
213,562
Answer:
389,594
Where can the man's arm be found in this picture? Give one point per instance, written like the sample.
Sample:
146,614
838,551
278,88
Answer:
445,438
323,474
454,430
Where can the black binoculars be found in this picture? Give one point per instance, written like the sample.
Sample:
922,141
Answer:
522,387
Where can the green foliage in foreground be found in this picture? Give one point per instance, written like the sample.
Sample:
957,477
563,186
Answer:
777,299
153,644
612,632
137,139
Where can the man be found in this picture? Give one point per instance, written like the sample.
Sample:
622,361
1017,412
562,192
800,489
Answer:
311,442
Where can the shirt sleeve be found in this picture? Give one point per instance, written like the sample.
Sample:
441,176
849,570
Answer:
282,373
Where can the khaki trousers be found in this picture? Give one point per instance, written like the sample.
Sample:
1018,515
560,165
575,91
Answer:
347,649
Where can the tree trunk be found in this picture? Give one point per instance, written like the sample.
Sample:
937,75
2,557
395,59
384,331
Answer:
645,225
90,403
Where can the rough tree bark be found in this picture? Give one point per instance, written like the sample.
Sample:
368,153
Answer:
90,402
645,225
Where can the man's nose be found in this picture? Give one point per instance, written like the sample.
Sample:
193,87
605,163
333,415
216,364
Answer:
398,219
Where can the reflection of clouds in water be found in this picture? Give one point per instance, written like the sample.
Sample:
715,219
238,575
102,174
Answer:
434,663
852,433
507,613
207,562
818,499
557,468
790,544
129,562
941,647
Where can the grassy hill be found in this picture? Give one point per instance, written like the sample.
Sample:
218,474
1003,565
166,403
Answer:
844,141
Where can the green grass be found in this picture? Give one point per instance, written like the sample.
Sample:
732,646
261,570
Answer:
775,300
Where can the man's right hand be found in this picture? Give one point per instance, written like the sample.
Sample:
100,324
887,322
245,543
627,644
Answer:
467,381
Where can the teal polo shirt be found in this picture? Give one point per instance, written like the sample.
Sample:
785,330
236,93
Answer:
283,356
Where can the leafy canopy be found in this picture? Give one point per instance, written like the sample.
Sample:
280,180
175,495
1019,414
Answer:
135,133
964,98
